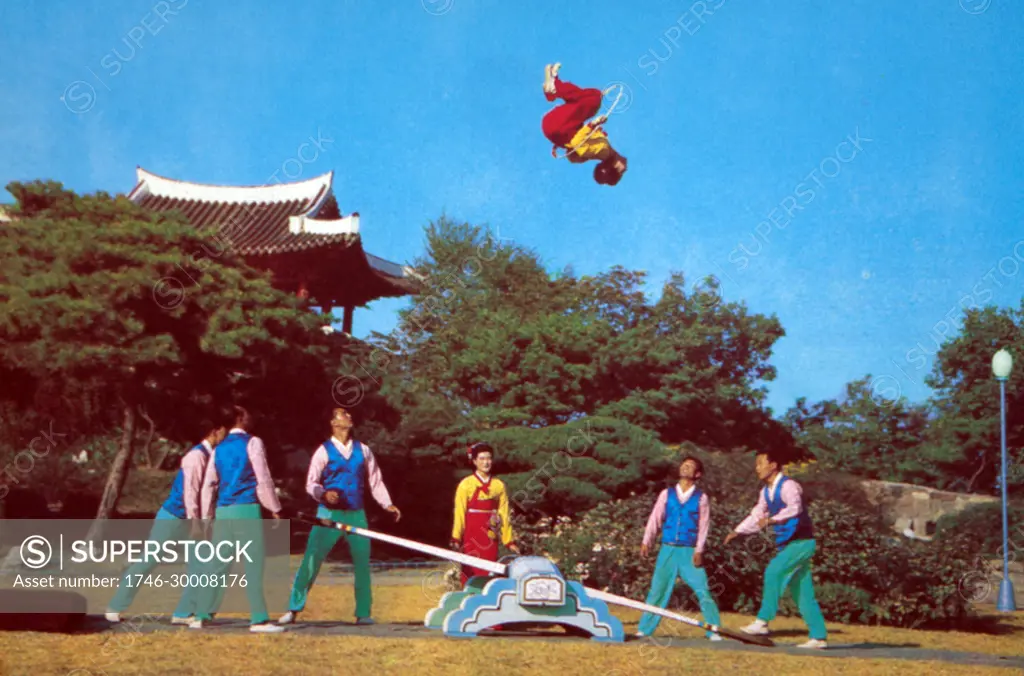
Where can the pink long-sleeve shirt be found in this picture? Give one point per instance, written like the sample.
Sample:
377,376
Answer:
657,517
193,469
791,496
319,461
265,490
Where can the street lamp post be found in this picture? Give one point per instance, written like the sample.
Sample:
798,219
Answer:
1001,365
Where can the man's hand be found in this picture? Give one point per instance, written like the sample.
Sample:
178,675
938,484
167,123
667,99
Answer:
332,497
644,551
514,547
698,560
277,521
455,544
731,536
598,121
394,510
763,523
554,152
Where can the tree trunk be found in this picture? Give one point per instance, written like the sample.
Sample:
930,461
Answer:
144,451
118,473
162,457
970,484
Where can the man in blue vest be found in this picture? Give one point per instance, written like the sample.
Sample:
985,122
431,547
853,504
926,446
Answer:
780,504
172,523
339,472
238,481
684,515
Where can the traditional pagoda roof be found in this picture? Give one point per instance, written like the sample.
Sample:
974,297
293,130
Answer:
270,220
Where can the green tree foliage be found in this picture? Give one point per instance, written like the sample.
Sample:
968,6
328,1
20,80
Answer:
573,467
497,341
106,307
498,348
867,435
967,397
950,442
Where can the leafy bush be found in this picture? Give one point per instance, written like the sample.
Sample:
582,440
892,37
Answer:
601,549
982,526
819,482
839,603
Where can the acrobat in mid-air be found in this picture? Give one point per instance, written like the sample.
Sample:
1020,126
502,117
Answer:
569,126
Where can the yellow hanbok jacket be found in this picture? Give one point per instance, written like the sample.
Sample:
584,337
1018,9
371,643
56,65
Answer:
592,148
496,491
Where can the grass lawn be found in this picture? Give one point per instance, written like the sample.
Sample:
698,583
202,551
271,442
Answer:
398,601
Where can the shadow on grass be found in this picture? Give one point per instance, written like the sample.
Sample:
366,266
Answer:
870,646
797,633
992,625
48,624
370,629
56,624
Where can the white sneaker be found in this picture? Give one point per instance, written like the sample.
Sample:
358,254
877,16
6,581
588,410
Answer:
549,79
715,637
111,616
195,624
640,634
181,620
814,643
756,628
266,628
289,618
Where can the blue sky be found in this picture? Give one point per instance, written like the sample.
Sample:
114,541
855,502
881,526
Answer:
866,156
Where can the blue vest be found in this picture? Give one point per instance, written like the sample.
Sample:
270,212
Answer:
795,528
345,476
175,503
235,473
682,519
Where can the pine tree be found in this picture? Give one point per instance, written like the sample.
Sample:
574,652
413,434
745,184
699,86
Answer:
145,310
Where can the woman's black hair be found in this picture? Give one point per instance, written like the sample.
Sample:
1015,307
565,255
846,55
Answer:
478,448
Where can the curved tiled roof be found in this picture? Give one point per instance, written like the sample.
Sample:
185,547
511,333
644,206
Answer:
281,219
161,186
258,220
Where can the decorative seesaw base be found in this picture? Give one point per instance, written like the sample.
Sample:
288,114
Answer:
534,592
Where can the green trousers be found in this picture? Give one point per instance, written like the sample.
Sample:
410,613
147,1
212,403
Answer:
674,562
166,527
237,523
791,569
321,542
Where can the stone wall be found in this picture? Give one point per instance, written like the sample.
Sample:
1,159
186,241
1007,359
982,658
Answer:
913,510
